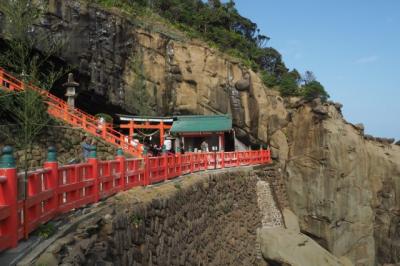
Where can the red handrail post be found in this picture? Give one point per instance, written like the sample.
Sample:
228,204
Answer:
9,194
92,160
222,159
179,164
146,170
191,162
122,168
104,131
52,182
265,156
165,165
122,142
1,77
84,122
65,111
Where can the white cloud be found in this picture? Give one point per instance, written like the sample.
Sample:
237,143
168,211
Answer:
367,59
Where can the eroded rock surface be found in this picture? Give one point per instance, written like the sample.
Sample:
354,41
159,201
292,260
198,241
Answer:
343,185
118,60
343,188
290,248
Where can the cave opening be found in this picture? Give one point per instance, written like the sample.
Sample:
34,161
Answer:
87,99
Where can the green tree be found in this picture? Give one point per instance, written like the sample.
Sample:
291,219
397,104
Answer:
268,79
296,76
313,90
288,85
27,109
308,77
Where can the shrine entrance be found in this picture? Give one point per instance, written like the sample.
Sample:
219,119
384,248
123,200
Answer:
151,130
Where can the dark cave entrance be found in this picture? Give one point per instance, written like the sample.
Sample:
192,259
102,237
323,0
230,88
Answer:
87,100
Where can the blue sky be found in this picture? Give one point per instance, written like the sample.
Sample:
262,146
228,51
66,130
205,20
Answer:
352,46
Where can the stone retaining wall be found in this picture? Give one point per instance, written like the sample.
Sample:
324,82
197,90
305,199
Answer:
67,141
203,219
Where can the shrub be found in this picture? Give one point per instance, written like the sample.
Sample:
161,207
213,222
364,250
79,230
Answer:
313,90
288,86
46,230
268,79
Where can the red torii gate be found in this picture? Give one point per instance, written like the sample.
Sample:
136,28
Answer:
143,122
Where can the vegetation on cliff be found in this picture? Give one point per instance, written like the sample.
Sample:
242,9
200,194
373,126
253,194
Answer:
25,111
138,97
220,24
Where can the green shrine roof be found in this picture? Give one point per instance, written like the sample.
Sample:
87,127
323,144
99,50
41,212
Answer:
201,123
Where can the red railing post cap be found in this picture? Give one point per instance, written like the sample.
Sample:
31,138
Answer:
7,159
93,152
120,152
51,154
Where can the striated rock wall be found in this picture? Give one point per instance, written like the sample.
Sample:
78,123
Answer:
200,220
343,188
121,63
342,185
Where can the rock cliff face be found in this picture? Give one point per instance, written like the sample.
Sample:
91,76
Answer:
130,66
343,186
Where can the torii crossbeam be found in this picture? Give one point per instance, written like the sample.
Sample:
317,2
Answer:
146,122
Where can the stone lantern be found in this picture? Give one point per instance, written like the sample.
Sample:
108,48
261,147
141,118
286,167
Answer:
71,86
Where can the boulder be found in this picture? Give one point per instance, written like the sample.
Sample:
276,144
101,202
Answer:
338,106
346,261
390,140
295,249
360,127
320,110
291,221
274,153
369,137
385,140
47,258
242,85
317,101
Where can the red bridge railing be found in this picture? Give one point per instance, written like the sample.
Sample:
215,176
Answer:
56,189
73,116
